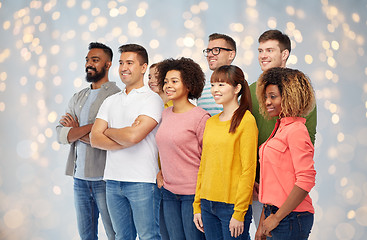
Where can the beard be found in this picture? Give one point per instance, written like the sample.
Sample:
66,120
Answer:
97,76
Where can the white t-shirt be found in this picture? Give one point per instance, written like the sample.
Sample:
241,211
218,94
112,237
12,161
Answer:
137,163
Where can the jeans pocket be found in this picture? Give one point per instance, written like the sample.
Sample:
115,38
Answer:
305,222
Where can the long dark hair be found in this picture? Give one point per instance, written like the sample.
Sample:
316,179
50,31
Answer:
233,75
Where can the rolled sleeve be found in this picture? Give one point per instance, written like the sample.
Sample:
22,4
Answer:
62,134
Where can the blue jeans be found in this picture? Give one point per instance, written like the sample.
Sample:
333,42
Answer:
134,208
295,226
178,213
90,200
216,217
162,221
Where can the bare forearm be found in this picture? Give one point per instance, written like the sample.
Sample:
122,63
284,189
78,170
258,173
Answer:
123,136
101,141
296,196
77,133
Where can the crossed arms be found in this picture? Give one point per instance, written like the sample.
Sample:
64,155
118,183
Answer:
106,138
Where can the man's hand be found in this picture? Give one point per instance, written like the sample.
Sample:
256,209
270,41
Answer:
160,179
255,193
68,121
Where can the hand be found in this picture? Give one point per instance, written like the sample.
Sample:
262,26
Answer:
69,121
160,179
269,224
260,234
236,227
255,192
198,222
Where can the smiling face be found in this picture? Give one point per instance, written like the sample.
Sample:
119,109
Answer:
270,55
273,100
173,86
131,71
153,81
224,93
223,58
96,65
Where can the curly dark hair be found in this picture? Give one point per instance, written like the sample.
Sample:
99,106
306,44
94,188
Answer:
192,75
295,88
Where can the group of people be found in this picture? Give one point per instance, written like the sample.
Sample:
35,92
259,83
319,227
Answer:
190,157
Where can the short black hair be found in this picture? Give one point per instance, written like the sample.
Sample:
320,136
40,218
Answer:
105,48
193,77
140,50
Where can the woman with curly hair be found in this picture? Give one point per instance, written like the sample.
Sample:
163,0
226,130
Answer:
287,171
223,198
179,141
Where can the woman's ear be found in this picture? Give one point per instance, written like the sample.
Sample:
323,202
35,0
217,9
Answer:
238,88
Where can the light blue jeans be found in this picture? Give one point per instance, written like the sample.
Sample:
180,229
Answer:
216,217
134,208
179,215
90,201
295,226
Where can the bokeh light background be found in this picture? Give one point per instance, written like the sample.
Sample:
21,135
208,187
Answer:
42,55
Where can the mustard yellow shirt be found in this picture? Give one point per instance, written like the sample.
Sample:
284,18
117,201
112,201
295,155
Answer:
228,164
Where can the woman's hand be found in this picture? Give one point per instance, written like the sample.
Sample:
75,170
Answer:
198,222
236,227
160,179
269,224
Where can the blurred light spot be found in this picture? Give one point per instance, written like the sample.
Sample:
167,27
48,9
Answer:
325,45
41,138
331,62
3,76
55,146
291,26
343,182
300,13
42,61
340,137
78,82
112,4
82,20
56,190
189,24
332,108
70,3
122,10
101,21
95,11
252,13
73,66
272,22
55,16
298,36
6,25
195,9
236,27
335,45
188,41
52,117
123,39
41,73
351,214
2,87
332,169
59,98
355,17
23,99
48,132
204,5
186,15
35,42
290,10
13,218
42,27
154,43
140,12
292,59
335,118
308,59
332,152
86,4
39,85
57,80
93,27
345,231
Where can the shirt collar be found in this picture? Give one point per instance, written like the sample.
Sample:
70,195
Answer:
143,89
289,120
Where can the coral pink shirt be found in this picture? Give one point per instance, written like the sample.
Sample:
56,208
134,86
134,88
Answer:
179,139
286,159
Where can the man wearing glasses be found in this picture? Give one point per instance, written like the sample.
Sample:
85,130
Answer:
221,51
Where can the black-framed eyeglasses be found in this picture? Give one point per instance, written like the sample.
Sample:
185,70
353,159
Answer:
215,50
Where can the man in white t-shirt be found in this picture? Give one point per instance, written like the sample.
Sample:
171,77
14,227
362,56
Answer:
221,51
125,126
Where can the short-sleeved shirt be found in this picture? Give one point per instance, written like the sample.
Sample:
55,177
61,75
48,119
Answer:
137,163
